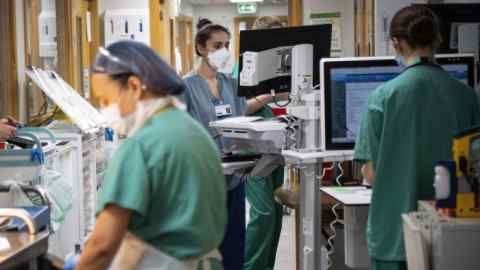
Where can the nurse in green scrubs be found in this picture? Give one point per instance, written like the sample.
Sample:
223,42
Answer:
164,184
408,126
265,225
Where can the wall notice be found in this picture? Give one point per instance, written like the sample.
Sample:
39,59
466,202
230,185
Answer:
333,18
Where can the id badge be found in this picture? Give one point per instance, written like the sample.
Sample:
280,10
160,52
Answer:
223,110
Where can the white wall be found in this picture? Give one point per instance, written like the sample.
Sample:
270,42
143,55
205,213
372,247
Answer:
224,14
122,4
186,9
384,12
346,9
48,5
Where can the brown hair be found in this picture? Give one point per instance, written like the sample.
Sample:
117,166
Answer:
267,22
205,29
417,25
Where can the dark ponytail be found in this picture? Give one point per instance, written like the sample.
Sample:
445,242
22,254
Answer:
205,29
417,25
202,23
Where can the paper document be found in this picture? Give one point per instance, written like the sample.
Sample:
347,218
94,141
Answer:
4,244
349,195
240,119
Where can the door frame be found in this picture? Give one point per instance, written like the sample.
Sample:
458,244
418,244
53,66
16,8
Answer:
8,60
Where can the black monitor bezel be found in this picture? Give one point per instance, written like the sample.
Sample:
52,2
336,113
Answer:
440,59
460,59
327,67
264,39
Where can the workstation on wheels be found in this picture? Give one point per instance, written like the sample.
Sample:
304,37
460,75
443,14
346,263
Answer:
240,135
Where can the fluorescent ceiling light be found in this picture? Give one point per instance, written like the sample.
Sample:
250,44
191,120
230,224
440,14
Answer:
245,1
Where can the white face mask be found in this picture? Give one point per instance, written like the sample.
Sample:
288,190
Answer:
128,125
221,60
121,125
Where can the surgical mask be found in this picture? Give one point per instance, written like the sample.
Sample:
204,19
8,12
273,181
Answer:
128,125
146,109
121,125
401,61
221,60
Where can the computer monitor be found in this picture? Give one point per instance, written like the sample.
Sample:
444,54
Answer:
461,66
266,39
451,16
347,83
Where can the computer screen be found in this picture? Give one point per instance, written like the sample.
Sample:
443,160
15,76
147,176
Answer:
461,66
266,39
350,90
349,81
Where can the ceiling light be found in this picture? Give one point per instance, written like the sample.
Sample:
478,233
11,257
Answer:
245,1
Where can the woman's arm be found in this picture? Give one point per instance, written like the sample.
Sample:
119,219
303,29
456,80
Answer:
368,173
256,103
110,228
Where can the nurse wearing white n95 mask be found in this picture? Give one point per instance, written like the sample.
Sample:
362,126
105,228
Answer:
210,95
162,203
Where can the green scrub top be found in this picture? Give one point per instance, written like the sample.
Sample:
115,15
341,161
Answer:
407,127
169,173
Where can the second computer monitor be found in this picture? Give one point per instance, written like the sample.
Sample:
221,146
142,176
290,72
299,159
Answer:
347,83
266,39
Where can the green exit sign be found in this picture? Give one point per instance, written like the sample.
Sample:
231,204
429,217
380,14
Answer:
247,8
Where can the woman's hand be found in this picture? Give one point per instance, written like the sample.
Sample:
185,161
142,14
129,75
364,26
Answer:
256,103
282,96
110,228
368,172
7,128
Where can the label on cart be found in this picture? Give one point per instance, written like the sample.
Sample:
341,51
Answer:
307,226
223,110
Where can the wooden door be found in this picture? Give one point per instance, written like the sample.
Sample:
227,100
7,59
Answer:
364,27
161,28
240,24
183,42
78,41
36,102
8,66
295,12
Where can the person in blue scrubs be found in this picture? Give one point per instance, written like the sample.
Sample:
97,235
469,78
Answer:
210,95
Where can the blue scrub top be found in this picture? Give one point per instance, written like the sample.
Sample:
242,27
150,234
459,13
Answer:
201,102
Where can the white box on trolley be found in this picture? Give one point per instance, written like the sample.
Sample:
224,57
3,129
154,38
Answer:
87,135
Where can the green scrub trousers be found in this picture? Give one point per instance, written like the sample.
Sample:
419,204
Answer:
388,265
265,225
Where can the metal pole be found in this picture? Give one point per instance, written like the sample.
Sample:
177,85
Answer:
310,217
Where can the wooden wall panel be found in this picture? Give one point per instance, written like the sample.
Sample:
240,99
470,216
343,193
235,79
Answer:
95,21
76,53
65,42
295,12
158,28
8,67
35,97
183,34
364,27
